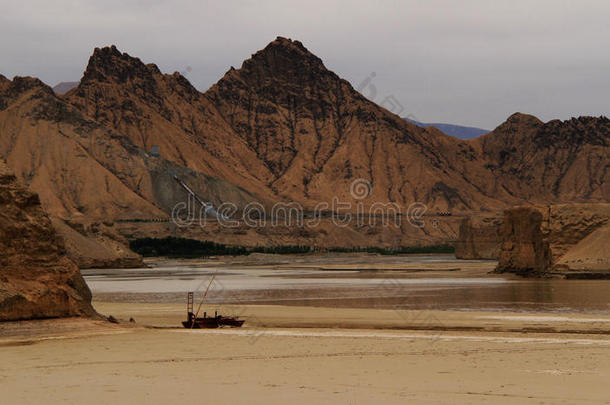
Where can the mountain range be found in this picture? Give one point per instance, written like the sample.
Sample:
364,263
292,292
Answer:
282,127
459,131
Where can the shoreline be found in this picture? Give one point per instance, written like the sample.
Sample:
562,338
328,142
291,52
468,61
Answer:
264,318
280,316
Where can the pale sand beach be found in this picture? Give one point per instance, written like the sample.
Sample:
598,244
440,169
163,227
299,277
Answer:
296,355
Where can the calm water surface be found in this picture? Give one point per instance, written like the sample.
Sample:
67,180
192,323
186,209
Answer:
272,284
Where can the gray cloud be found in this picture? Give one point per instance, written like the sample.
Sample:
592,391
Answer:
466,62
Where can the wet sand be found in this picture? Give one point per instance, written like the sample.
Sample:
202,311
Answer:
261,317
361,362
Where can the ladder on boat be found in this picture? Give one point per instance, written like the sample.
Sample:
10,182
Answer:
189,303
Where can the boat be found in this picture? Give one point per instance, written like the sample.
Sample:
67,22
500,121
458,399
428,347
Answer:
208,322
216,321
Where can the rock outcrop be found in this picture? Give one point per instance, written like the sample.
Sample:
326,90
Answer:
37,280
479,237
566,239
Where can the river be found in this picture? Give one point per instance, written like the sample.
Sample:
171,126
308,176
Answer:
350,281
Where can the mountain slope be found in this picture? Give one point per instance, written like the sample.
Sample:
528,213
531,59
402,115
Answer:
316,135
558,161
88,176
150,108
73,164
82,168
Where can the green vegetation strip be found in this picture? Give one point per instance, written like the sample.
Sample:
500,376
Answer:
192,248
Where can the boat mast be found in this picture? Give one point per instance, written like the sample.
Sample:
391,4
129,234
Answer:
203,298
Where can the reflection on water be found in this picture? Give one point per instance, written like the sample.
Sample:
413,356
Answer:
349,288
538,295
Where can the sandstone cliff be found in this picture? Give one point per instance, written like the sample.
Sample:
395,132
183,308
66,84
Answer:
37,280
564,239
479,237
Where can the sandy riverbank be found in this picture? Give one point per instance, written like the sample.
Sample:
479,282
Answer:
79,361
278,316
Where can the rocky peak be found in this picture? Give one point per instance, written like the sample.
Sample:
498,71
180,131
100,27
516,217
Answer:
506,138
561,161
284,63
11,90
114,78
108,64
315,132
284,53
519,121
21,84
570,133
520,118
274,98
130,76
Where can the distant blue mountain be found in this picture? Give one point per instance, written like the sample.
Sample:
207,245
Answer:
454,130
64,87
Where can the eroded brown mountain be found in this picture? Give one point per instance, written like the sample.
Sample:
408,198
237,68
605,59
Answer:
283,127
76,166
557,161
88,175
316,134
150,109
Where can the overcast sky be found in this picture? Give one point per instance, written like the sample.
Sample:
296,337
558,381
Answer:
463,62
